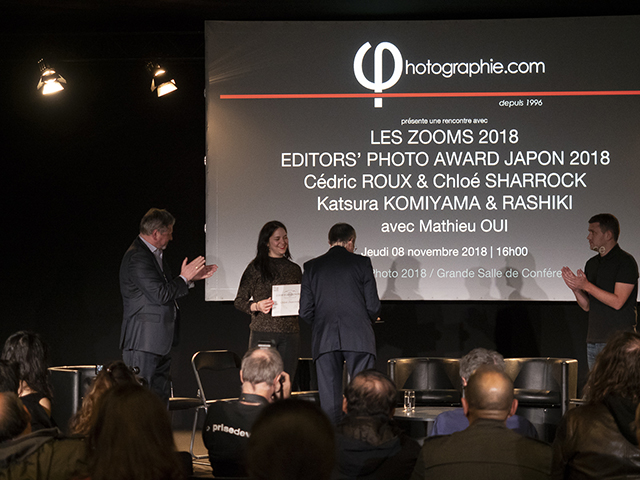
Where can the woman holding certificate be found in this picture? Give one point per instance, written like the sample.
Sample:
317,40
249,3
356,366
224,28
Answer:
271,267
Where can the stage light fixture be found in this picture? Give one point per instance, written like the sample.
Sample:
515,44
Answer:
161,83
50,81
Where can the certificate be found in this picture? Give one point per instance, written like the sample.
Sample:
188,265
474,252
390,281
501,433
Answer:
286,300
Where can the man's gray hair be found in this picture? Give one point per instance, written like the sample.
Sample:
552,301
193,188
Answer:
156,219
261,365
478,357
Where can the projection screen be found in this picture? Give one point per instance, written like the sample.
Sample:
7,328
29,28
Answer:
468,155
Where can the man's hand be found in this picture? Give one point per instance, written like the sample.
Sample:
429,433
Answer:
205,272
191,269
284,390
577,281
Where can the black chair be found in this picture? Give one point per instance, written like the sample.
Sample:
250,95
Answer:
544,388
436,380
213,361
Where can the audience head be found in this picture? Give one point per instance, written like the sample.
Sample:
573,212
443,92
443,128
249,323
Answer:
132,438
370,393
489,394
261,365
291,440
156,219
9,377
608,223
14,418
477,357
31,354
115,373
617,370
342,234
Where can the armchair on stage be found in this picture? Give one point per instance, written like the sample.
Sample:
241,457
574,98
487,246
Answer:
435,380
543,386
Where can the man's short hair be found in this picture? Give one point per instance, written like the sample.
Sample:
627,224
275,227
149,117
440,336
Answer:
156,219
13,416
478,357
608,223
9,381
370,393
480,396
261,365
341,233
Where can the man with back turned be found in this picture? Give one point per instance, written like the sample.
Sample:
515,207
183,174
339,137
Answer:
487,449
339,298
149,296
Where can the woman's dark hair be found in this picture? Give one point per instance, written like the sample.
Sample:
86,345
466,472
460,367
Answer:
131,438
115,373
617,370
291,440
31,354
261,262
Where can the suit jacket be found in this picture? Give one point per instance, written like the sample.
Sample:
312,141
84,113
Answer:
487,450
149,301
340,300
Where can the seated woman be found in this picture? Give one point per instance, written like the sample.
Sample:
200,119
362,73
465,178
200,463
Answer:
598,440
31,354
132,438
115,373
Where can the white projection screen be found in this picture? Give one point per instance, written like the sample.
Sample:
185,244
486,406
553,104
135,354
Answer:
468,155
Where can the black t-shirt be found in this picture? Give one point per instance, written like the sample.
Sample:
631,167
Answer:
226,433
617,266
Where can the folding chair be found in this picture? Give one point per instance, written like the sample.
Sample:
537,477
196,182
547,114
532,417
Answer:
212,360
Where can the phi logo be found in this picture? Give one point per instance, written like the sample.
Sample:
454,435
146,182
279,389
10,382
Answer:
378,84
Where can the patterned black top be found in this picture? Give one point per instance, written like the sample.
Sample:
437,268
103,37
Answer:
253,289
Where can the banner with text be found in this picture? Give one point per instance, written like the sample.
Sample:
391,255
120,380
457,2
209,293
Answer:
468,155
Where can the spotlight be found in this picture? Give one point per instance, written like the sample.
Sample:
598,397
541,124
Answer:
50,81
160,83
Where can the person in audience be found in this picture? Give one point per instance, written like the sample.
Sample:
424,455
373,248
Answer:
271,266
369,443
291,440
487,449
228,425
598,440
455,420
31,354
132,438
9,377
40,455
115,373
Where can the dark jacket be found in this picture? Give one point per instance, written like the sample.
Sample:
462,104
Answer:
42,455
589,445
373,448
486,450
149,297
339,299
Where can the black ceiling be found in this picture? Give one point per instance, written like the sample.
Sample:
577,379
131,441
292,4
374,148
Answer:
78,16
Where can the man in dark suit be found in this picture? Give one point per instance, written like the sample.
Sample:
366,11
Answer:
340,300
487,449
149,294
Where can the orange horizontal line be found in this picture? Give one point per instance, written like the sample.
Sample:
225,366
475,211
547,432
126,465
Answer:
423,95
